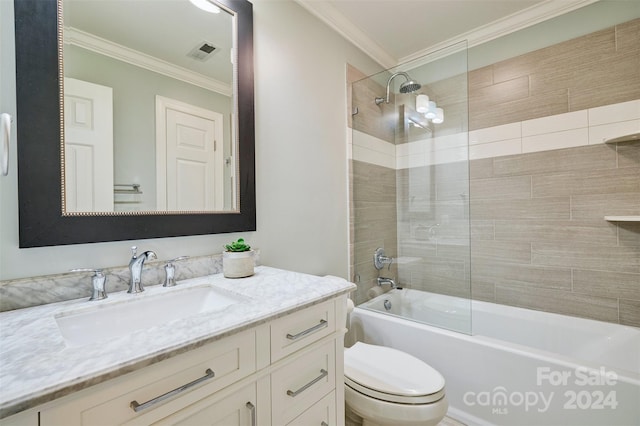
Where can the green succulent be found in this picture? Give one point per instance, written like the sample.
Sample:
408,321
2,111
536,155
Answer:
238,246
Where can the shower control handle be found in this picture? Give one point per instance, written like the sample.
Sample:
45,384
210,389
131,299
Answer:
380,259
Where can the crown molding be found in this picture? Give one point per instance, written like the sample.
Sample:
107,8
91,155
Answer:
509,24
328,14
105,47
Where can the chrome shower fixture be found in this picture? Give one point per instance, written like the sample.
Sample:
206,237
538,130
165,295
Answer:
408,86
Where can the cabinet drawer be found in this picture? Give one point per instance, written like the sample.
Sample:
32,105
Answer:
322,413
226,361
297,330
301,383
235,409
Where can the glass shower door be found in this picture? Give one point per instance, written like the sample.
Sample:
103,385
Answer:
410,190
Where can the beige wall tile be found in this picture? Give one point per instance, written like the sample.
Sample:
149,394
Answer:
482,168
501,188
621,259
483,290
481,77
596,206
607,283
581,158
533,276
534,106
507,91
628,154
626,88
561,302
629,234
551,208
503,251
599,181
482,230
443,285
627,35
630,312
573,232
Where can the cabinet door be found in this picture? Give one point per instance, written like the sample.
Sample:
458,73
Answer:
237,409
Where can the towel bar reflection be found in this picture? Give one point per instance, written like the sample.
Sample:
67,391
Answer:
121,188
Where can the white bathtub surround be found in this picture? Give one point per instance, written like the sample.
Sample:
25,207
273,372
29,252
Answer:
37,365
519,367
572,129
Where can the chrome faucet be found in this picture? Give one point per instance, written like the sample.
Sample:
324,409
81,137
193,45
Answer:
135,267
383,281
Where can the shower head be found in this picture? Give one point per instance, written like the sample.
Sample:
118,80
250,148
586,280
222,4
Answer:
408,86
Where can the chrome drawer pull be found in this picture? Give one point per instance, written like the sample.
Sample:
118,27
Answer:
323,374
209,374
252,408
322,324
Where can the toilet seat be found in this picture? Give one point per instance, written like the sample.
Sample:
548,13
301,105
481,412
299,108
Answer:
410,381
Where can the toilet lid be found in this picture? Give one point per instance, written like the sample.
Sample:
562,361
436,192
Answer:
391,375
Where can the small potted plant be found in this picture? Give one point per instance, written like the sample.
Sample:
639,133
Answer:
237,260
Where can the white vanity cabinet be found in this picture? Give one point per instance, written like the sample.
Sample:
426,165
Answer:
154,393
287,371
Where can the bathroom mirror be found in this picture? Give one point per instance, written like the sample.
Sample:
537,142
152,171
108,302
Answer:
148,106
45,218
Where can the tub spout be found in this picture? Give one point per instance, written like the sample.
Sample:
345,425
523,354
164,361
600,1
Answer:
383,281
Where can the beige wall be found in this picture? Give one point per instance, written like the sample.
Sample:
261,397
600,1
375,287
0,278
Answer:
301,165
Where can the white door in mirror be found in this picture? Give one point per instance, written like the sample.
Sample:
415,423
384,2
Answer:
190,159
88,146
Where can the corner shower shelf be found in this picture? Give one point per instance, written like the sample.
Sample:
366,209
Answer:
626,138
622,218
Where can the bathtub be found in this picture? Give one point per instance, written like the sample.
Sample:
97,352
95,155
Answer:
517,366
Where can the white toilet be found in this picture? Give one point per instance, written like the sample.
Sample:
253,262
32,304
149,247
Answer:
388,387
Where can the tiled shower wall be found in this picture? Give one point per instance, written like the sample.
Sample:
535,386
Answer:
538,237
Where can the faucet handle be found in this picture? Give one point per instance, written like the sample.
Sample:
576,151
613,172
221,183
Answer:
98,281
380,259
170,272
134,251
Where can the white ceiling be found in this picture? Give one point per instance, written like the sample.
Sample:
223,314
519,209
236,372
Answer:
164,30
397,31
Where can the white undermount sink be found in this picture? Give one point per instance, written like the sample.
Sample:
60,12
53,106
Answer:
124,317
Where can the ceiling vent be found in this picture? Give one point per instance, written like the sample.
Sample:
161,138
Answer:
203,51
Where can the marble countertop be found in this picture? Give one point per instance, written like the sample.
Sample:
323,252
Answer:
37,365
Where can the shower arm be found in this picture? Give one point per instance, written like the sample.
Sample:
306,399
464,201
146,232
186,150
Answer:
386,99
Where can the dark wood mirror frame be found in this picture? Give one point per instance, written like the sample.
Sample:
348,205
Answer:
39,149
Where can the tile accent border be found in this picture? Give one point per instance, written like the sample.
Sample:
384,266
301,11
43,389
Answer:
573,129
